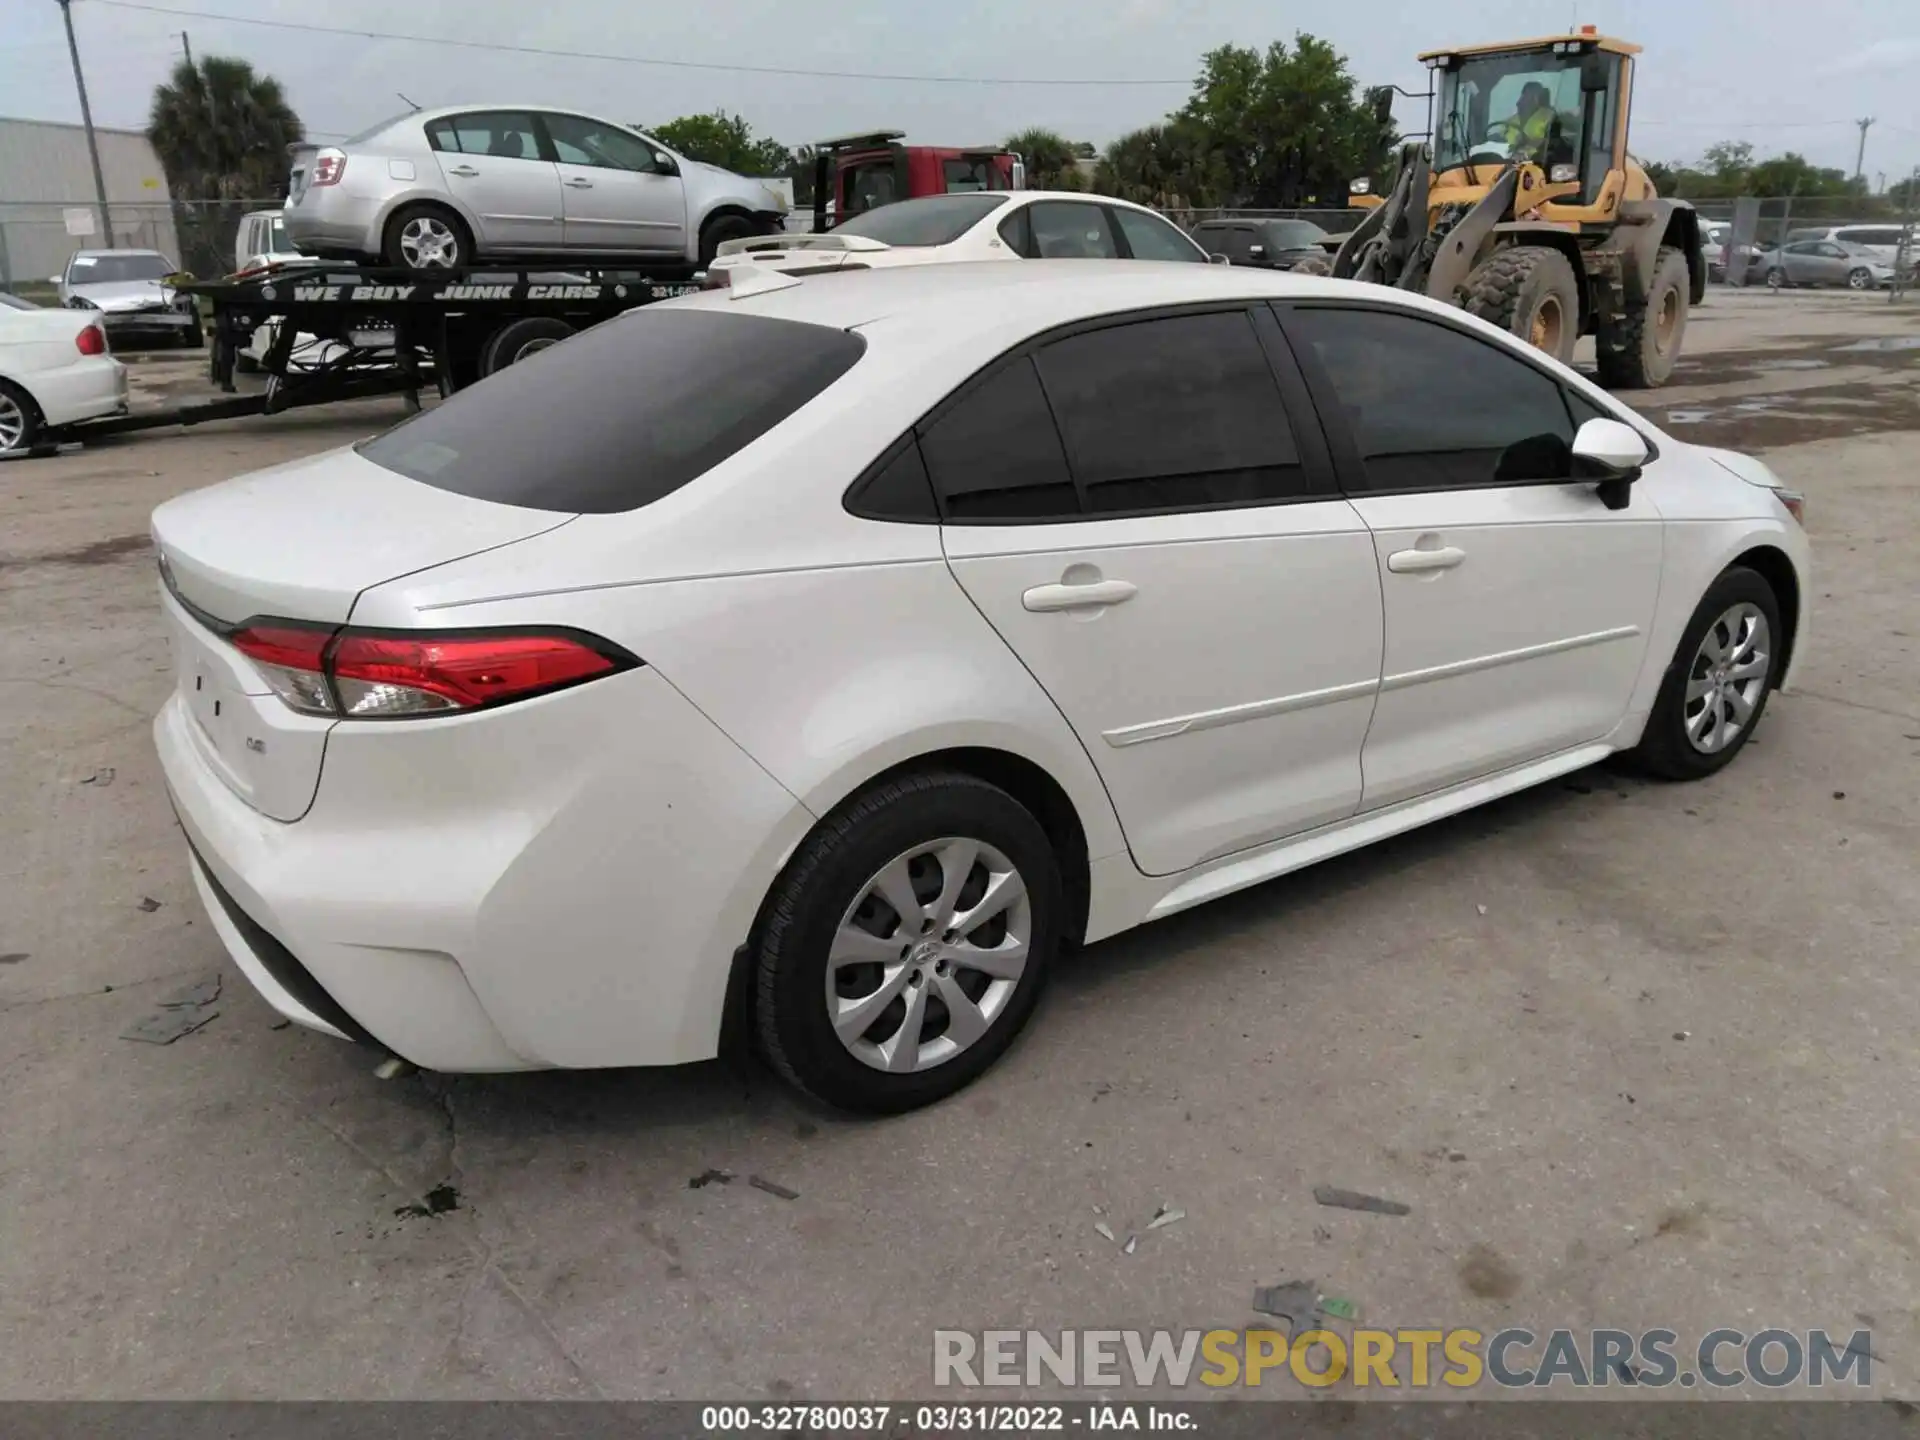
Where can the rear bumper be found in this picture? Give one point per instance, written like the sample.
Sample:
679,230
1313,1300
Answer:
335,222
558,884
84,390
148,322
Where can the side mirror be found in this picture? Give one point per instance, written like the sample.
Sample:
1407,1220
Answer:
665,163
1216,258
1611,453
55,279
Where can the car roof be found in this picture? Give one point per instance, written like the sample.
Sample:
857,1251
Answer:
78,253
996,298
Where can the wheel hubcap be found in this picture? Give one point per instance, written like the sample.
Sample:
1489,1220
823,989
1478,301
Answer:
1727,679
428,244
13,423
929,955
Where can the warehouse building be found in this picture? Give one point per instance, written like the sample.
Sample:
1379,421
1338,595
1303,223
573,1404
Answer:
48,205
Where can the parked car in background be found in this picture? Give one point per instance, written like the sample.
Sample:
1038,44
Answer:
55,368
129,290
974,225
262,240
1825,262
437,189
1881,241
1270,244
831,653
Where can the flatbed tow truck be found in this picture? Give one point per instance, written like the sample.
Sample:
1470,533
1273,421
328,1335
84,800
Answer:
381,331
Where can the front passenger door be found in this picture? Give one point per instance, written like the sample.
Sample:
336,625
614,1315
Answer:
1517,605
615,195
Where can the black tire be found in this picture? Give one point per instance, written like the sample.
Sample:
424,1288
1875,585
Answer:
1638,351
1860,279
393,253
1777,279
720,229
1665,749
520,338
1529,291
826,878
20,403
196,338
245,364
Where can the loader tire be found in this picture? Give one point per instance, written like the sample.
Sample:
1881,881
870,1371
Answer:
1637,351
1529,291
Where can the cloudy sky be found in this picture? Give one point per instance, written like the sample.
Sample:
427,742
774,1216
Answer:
1774,75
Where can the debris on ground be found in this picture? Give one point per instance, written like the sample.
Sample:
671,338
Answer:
1481,908
148,904
281,1025
394,1068
1681,1034
1295,1302
201,992
437,1201
181,1013
710,1177
1166,1215
1133,1242
1354,1200
102,777
1106,1232
15,958
760,1182
1300,1304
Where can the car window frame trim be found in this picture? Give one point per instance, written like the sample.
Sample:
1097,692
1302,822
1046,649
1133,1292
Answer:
1317,462
1348,463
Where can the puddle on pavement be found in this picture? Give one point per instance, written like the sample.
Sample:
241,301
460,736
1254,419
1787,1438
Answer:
1881,343
1793,365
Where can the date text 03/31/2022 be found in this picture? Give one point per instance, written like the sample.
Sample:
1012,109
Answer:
942,1419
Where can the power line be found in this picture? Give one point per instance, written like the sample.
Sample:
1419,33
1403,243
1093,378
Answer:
622,59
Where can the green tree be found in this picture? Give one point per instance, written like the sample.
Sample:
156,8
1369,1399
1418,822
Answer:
1174,166
724,140
1290,125
221,132
1793,174
1049,158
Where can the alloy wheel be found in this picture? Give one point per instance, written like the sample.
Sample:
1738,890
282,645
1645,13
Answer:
428,243
1727,679
929,955
13,423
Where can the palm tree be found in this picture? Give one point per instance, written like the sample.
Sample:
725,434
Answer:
221,133
1049,158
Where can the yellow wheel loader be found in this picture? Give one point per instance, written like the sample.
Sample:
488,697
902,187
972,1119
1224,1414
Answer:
1525,208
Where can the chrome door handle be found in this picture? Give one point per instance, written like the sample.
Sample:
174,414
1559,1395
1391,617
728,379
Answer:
1078,597
1414,562
576,183
465,172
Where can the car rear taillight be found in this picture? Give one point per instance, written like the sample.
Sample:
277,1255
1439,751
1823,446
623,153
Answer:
328,166
405,674
91,341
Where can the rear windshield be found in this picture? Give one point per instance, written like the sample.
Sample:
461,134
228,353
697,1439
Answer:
620,414
933,220
1296,234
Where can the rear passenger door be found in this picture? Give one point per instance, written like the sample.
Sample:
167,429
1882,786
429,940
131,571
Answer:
1141,515
1517,604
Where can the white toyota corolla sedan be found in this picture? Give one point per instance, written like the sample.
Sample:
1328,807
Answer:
829,653
974,225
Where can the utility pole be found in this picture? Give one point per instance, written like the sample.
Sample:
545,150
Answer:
1860,159
186,47
86,119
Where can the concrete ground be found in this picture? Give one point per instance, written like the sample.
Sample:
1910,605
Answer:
1636,1055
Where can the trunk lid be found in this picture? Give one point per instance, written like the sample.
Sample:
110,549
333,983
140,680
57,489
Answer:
297,542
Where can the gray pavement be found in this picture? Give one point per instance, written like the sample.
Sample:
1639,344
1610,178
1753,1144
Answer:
1636,1055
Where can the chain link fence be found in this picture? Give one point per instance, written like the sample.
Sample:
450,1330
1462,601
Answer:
198,235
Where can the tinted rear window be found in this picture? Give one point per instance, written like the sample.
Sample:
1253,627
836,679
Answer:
620,414
934,220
